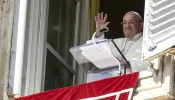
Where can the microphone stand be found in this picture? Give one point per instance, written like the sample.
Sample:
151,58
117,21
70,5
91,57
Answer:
122,56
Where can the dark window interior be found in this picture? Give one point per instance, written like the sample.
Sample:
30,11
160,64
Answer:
116,10
61,21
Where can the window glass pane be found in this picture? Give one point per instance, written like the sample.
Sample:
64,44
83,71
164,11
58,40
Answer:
61,26
60,37
56,75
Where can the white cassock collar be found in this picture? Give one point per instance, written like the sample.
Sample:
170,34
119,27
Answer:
136,37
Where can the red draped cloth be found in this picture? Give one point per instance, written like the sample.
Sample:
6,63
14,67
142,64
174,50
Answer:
89,90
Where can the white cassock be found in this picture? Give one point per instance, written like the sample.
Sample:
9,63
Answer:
131,49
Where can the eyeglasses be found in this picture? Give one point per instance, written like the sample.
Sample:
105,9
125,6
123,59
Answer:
130,23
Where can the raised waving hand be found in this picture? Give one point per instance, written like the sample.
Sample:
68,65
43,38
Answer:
100,21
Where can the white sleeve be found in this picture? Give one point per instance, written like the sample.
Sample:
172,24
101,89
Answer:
138,66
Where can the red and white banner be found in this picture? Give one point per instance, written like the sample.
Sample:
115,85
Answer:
115,88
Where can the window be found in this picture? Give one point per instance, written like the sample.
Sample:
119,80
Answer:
60,37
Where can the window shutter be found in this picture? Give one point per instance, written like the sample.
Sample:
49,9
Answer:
159,26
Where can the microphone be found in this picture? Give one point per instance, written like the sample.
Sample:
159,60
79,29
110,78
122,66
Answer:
106,29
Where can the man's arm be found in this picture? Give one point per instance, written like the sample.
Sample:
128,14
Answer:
100,36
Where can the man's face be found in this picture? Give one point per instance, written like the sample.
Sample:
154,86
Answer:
132,25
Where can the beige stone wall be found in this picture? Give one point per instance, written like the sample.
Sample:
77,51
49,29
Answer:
161,84
6,23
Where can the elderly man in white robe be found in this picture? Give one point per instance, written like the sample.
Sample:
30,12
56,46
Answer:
131,45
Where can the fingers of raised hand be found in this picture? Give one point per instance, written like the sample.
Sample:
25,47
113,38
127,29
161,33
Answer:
101,17
105,17
106,24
